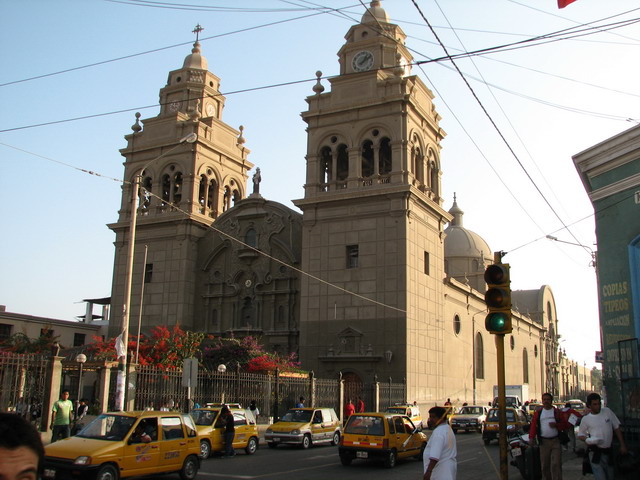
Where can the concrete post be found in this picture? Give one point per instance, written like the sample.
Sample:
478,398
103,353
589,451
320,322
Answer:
54,377
104,380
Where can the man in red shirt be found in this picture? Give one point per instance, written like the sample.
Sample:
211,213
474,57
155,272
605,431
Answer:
360,405
349,410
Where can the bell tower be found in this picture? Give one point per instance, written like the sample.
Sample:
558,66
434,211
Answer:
373,218
184,187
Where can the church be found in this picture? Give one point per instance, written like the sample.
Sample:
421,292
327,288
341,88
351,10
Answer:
372,276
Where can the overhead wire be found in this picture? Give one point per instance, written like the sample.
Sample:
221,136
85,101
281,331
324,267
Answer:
495,126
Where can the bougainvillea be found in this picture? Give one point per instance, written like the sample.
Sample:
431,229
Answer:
20,343
248,354
165,348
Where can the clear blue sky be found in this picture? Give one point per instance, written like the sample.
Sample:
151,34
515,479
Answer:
551,101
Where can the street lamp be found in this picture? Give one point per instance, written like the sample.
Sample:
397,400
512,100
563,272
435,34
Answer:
124,336
222,368
80,359
586,247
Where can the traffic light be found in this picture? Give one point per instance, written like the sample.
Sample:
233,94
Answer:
498,298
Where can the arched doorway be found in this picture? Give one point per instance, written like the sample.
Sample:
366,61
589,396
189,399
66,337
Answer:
353,388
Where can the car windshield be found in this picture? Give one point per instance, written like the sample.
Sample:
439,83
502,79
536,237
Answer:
297,416
365,425
204,417
108,427
471,411
494,414
400,410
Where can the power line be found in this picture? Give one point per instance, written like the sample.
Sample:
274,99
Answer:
495,126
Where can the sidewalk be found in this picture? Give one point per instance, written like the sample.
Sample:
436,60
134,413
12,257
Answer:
572,467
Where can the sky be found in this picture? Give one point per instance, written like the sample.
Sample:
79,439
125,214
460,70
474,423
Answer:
74,72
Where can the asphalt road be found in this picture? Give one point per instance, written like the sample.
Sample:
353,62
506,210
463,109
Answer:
475,461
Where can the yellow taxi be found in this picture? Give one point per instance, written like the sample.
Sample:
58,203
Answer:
304,427
126,444
411,411
516,423
531,408
382,436
211,430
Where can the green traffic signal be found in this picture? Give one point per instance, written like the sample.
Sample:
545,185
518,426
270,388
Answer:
498,298
497,322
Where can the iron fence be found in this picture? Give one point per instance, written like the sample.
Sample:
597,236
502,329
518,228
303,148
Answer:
23,381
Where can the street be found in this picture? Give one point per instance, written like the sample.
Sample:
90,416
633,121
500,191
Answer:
475,461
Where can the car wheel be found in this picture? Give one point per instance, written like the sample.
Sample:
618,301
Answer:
391,459
252,446
107,472
272,444
336,438
189,468
306,441
205,449
345,460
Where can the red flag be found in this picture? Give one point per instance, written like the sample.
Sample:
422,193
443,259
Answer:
564,3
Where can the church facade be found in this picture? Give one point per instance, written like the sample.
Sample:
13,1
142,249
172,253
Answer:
372,277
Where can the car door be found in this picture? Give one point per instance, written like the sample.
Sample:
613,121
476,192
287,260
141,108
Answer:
172,443
242,429
139,457
317,427
400,436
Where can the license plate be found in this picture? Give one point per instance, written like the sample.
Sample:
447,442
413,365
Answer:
49,473
362,455
516,452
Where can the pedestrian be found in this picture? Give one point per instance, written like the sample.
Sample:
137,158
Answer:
572,417
254,409
349,409
22,407
359,404
21,450
229,431
546,425
82,410
447,403
596,430
61,414
300,403
439,456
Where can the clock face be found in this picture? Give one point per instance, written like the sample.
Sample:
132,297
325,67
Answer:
174,106
210,109
362,61
247,283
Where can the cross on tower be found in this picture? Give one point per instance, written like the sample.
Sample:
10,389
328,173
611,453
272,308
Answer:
197,31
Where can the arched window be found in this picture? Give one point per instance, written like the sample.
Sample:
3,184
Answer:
166,189
525,366
144,200
236,197
418,164
251,238
325,165
479,360
342,163
549,315
226,200
202,193
177,188
367,158
384,162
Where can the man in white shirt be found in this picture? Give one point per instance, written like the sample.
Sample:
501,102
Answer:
440,454
597,429
545,428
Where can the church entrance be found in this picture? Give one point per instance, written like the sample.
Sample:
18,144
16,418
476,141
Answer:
353,388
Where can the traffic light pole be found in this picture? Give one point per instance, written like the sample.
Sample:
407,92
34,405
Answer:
502,409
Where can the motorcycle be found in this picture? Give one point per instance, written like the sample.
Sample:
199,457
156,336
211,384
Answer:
524,457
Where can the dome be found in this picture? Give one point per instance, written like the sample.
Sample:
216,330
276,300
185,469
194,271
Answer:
375,13
461,242
195,60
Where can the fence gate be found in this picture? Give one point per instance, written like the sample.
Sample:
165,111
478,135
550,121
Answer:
22,382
